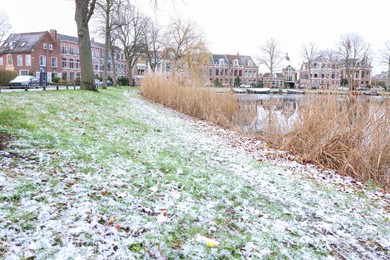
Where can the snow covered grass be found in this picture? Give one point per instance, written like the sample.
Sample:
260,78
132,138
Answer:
108,175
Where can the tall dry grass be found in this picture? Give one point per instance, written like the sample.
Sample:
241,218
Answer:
192,98
350,136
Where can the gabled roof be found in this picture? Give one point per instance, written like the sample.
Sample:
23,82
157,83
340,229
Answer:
243,60
22,42
66,38
215,58
274,75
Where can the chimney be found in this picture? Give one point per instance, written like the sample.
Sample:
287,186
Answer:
53,33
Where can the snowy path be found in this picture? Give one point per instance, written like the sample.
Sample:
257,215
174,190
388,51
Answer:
181,177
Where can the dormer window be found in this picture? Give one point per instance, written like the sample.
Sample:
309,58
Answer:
44,46
221,62
22,44
235,62
250,63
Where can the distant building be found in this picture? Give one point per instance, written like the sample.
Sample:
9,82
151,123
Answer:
330,73
54,55
277,80
290,76
31,54
224,69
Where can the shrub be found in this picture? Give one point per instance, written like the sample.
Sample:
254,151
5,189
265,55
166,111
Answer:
6,76
56,80
123,81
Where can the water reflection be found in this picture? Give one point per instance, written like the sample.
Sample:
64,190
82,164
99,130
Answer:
280,112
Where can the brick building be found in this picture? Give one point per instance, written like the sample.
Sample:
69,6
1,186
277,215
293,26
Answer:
54,55
224,69
31,54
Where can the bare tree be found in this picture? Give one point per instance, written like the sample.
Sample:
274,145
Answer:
309,53
385,59
5,27
132,34
185,42
271,56
83,14
105,15
155,44
354,55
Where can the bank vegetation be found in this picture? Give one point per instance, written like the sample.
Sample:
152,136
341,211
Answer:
348,135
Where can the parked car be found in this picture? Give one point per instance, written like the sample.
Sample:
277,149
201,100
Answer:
362,88
377,88
23,82
343,88
109,82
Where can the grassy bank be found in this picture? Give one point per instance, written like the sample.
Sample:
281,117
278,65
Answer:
349,136
108,175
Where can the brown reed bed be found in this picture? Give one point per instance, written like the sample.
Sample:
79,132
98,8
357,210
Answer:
350,136
191,98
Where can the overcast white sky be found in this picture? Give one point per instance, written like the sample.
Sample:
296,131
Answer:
236,26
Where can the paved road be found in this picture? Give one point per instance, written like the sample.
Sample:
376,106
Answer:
7,89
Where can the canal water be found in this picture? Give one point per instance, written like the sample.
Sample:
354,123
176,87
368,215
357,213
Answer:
260,109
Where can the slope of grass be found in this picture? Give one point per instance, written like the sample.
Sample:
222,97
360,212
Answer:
107,175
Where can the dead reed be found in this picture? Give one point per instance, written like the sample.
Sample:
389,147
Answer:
191,98
345,134
348,135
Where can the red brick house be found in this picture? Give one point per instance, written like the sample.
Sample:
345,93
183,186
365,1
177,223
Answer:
224,68
55,55
31,54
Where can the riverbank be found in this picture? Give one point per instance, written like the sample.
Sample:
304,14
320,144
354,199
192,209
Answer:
109,175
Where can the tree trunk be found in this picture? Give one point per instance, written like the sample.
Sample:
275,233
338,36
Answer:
113,65
87,81
130,74
107,44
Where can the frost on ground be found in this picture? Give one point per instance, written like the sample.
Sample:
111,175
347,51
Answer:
142,181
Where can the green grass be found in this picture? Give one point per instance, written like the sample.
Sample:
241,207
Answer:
79,158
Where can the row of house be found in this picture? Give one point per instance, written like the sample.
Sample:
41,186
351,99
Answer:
329,73
48,54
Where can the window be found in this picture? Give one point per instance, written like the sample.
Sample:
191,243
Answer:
64,63
235,62
44,46
1,61
28,60
71,76
19,60
9,60
71,65
78,64
250,63
54,62
22,44
42,61
23,72
64,49
71,50
51,47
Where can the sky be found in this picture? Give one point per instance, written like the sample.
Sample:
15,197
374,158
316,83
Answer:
232,27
